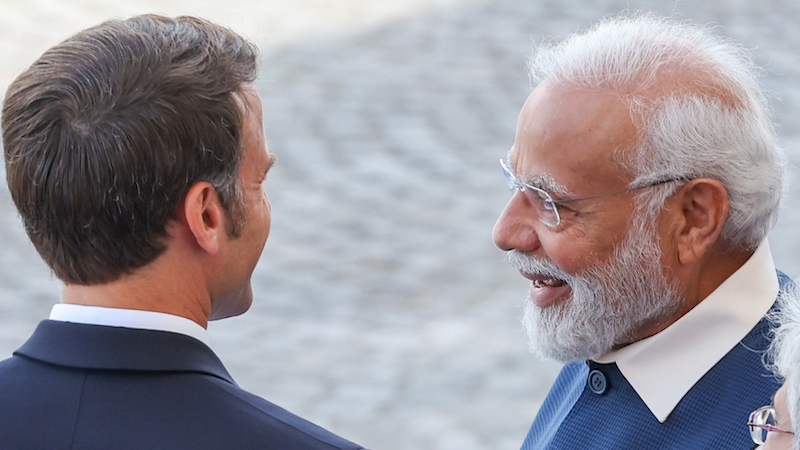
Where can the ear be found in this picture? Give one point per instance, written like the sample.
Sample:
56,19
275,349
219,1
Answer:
702,215
204,216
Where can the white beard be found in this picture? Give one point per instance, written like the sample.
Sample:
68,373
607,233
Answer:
607,304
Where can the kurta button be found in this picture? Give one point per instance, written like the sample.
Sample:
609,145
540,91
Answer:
597,382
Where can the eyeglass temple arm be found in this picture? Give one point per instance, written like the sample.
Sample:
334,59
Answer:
769,427
657,183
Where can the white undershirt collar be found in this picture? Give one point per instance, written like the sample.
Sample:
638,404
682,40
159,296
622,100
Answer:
699,339
128,318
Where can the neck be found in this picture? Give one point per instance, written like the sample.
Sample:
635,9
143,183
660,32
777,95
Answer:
719,264
710,272
162,286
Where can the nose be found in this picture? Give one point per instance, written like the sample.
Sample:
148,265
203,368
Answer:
515,228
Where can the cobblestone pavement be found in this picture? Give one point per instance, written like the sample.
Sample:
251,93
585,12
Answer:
383,312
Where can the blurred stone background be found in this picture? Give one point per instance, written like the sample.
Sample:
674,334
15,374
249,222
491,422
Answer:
383,311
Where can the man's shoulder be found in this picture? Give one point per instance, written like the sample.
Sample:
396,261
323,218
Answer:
179,404
248,410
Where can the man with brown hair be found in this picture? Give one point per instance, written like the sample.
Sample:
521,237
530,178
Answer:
135,154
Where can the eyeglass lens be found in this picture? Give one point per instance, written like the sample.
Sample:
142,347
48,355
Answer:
538,198
761,416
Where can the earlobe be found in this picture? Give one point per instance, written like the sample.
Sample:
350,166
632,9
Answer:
704,210
204,216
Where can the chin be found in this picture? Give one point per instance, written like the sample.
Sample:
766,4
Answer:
232,304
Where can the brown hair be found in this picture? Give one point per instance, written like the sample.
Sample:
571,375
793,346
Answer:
106,132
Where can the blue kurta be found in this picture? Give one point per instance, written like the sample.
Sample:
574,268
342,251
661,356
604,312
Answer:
607,413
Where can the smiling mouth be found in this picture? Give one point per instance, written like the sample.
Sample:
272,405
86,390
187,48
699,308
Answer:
545,289
540,283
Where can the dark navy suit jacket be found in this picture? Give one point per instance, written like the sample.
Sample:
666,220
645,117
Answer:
75,386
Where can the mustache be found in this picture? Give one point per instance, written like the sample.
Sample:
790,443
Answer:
535,265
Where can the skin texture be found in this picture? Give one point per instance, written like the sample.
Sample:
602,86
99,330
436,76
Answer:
233,293
204,274
577,138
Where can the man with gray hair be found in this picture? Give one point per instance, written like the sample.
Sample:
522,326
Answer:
773,425
646,174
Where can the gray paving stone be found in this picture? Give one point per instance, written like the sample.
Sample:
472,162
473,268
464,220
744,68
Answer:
383,311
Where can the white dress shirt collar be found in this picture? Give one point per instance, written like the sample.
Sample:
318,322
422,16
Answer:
128,318
664,367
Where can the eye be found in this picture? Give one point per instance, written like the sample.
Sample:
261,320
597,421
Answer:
563,208
549,205
543,199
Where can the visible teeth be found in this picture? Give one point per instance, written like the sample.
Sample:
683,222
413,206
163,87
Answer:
545,282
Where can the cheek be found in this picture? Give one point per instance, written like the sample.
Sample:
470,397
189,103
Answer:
778,441
261,206
591,239
258,215
575,252
266,215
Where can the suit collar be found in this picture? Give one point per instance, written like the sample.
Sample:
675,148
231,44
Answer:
128,318
664,367
115,348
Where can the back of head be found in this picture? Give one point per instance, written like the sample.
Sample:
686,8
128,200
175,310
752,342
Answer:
697,104
106,132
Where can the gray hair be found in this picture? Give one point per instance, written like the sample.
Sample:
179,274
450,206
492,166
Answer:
785,352
697,104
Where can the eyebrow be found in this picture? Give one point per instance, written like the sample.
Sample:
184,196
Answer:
549,184
544,182
271,162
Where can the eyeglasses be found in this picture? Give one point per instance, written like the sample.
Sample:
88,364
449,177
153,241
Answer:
761,422
543,202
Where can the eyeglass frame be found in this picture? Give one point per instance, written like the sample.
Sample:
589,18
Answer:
515,184
753,425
